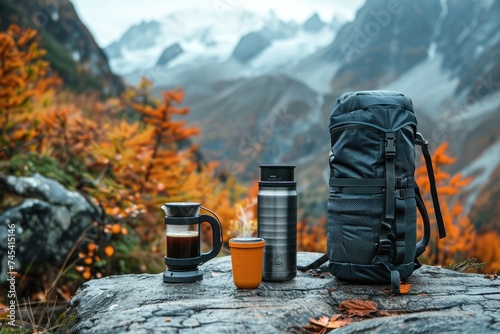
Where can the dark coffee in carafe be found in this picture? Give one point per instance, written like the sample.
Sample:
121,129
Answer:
183,244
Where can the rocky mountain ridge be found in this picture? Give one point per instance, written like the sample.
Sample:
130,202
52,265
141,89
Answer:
202,36
67,40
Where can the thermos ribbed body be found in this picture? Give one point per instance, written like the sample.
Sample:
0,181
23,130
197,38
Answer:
277,224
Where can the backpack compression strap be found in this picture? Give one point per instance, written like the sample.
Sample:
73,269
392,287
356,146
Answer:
386,227
424,144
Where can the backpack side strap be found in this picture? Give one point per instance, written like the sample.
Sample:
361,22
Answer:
424,144
420,248
323,259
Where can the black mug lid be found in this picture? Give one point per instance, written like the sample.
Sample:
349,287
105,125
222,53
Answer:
277,173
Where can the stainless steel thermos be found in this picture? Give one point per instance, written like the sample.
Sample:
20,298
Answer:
277,221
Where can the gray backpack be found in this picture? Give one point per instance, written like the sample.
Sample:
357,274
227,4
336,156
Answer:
373,199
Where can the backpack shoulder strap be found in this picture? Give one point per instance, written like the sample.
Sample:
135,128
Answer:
422,244
424,144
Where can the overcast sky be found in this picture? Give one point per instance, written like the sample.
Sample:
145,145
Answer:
107,20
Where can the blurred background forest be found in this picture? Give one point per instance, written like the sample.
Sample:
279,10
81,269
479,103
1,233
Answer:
104,120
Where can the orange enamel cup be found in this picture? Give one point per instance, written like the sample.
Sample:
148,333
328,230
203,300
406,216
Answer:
246,259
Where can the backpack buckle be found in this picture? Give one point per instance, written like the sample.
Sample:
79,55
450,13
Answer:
400,193
384,246
390,147
386,225
402,182
420,140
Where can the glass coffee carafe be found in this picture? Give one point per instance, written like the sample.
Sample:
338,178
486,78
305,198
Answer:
183,243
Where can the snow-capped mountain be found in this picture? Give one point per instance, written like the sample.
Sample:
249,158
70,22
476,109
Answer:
264,42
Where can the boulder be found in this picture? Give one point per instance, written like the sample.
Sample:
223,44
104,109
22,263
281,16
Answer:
47,222
439,300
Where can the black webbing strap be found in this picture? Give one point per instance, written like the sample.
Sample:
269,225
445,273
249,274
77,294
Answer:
351,182
401,182
385,242
368,185
385,246
357,186
315,264
357,190
432,181
399,226
390,175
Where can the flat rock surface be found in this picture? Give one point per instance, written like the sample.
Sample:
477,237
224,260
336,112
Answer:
439,301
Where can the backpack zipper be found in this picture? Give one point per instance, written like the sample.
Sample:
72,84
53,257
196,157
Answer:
346,127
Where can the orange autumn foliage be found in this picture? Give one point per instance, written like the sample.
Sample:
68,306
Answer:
487,249
462,239
128,155
23,76
460,232
150,169
312,237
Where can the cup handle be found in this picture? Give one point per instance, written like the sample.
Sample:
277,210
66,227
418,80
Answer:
216,238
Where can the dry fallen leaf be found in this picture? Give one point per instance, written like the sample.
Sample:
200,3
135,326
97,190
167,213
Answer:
351,310
336,321
357,307
322,321
335,317
339,323
404,288
384,313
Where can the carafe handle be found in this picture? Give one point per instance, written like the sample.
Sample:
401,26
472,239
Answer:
216,238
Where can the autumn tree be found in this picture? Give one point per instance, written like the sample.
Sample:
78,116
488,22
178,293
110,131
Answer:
129,155
487,250
461,233
151,160
23,76
311,236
